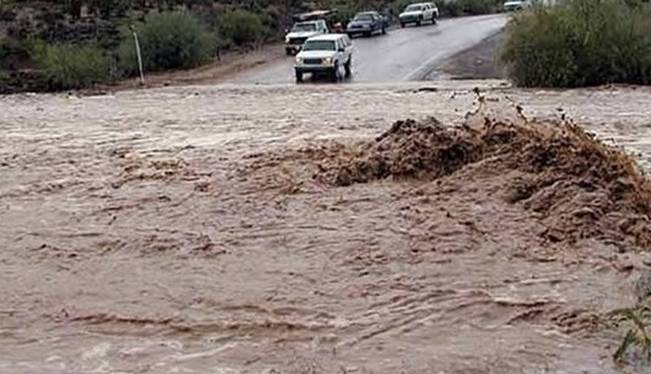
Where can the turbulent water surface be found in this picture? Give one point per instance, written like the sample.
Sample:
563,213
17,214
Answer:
163,231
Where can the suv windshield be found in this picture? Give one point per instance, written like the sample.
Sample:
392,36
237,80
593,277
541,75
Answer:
363,17
304,27
319,45
413,8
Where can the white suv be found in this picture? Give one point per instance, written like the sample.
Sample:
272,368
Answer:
513,5
325,54
418,13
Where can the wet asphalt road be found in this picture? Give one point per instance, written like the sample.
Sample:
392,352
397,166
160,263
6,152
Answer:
407,54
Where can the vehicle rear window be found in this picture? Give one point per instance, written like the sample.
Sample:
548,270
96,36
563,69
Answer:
319,45
304,27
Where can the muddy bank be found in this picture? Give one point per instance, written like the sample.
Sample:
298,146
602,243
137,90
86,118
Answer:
204,229
580,187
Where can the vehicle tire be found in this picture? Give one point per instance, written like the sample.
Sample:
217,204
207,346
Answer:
433,19
348,66
299,77
419,22
368,33
402,25
350,35
384,30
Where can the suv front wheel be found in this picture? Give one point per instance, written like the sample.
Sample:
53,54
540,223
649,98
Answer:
299,76
347,66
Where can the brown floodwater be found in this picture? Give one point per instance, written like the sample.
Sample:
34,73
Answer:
204,230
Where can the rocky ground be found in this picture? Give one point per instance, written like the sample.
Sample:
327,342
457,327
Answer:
478,62
276,229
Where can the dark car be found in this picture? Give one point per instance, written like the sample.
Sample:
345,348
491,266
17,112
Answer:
367,23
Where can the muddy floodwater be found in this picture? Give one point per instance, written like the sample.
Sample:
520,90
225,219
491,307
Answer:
220,230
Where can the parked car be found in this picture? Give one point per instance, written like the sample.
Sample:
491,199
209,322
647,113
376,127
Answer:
325,54
418,13
513,5
367,23
300,32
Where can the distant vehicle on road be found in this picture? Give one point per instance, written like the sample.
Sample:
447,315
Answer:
513,5
300,32
418,13
325,54
367,23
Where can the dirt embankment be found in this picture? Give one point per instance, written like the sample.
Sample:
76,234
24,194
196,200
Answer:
479,62
579,187
576,186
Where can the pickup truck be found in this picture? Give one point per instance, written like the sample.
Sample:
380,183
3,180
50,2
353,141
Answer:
300,32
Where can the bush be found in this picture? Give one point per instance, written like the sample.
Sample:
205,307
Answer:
70,66
455,8
450,8
243,27
170,40
580,43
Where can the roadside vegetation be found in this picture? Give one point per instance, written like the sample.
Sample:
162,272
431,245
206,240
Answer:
76,44
69,66
169,40
580,43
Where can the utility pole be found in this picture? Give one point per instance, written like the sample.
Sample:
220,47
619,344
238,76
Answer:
138,54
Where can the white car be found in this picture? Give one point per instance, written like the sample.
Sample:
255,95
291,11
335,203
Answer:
325,54
419,13
513,5
301,32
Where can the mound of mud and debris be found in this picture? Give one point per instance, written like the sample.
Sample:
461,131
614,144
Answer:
580,187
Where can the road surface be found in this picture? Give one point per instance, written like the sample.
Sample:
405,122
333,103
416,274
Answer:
402,55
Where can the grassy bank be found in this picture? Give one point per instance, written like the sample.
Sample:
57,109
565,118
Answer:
580,43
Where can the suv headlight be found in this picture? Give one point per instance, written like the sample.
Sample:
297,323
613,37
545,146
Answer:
299,60
327,61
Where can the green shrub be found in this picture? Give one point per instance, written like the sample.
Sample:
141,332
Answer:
70,66
243,27
580,43
455,8
450,8
169,40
